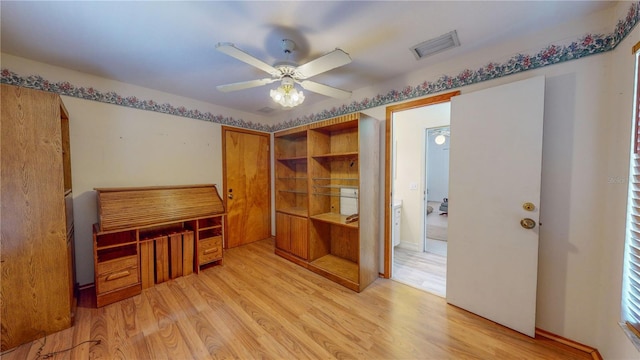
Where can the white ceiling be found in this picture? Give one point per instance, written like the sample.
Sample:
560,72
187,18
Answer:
170,46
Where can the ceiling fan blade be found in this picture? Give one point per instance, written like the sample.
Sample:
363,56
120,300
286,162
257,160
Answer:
324,89
233,51
245,85
326,62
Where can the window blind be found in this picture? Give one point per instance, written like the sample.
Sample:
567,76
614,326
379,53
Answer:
632,255
633,246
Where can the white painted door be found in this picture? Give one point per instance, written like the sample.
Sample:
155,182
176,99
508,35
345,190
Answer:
495,166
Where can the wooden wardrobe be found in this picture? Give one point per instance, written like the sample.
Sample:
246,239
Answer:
36,217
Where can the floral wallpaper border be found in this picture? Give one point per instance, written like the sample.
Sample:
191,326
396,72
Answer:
590,44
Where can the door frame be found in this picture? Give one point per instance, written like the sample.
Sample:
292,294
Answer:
224,175
390,110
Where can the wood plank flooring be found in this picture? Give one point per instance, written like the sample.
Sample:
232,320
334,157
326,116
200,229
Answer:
423,270
258,305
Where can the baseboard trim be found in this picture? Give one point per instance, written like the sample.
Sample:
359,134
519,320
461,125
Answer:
410,246
86,286
595,354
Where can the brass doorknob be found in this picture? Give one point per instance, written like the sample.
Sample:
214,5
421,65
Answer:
230,196
527,223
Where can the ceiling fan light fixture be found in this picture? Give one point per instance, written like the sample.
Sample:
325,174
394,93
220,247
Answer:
286,94
289,73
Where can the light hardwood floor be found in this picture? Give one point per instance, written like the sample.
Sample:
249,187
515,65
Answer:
423,270
257,305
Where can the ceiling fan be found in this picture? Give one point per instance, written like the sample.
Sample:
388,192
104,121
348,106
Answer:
288,72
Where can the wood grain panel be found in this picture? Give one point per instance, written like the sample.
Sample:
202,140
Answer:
175,255
346,140
345,242
299,237
130,208
188,252
283,225
34,285
162,259
147,264
319,239
319,143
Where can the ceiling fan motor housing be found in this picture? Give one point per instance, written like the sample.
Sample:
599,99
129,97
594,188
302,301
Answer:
288,46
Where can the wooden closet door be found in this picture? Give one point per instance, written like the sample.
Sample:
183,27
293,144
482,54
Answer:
247,191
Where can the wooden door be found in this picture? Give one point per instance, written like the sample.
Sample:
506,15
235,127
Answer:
495,167
247,191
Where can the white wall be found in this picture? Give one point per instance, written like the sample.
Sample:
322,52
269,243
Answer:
409,162
616,130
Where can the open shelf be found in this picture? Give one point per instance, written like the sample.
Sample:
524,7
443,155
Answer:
210,222
297,211
335,219
337,156
210,232
292,158
338,266
324,173
116,252
116,239
292,146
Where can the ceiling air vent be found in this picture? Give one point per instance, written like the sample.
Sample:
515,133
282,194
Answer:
436,45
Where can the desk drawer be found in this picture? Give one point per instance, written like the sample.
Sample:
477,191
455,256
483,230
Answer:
117,274
210,249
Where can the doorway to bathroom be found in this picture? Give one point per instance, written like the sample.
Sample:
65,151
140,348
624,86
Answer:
420,201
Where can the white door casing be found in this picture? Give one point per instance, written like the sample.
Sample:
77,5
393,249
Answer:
495,167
